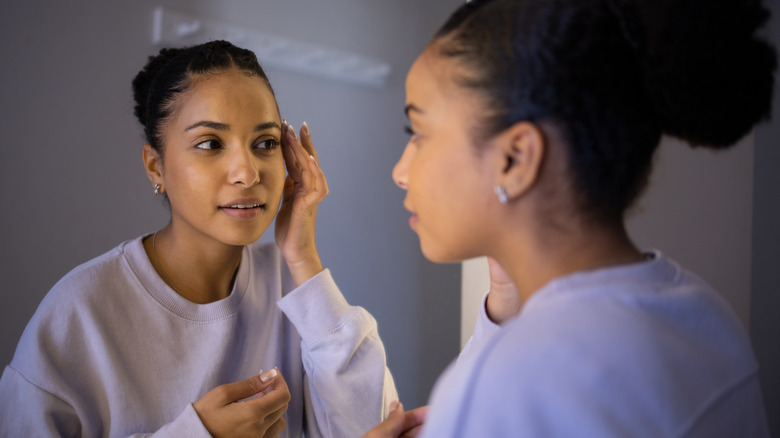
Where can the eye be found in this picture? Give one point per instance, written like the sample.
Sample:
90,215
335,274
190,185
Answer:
413,135
267,144
209,145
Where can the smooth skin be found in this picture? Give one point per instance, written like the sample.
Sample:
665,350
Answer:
225,151
450,177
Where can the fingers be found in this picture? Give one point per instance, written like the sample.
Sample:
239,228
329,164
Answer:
412,433
228,410
275,429
399,423
232,392
413,421
297,156
273,401
303,164
307,143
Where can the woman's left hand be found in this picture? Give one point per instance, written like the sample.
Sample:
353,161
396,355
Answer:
304,188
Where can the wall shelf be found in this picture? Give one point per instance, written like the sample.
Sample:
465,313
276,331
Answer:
176,29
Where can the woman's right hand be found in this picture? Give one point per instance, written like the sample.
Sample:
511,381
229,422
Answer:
225,412
399,424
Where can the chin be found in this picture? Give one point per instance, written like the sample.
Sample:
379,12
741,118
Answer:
440,255
244,237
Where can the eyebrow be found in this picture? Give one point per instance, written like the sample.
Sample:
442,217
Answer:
411,108
225,127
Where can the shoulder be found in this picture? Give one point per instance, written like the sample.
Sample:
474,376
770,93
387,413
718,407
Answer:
54,336
612,359
83,282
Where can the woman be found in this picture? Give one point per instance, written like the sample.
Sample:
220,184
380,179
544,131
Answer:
146,339
533,127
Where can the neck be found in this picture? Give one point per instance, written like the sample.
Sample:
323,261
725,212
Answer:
202,272
534,259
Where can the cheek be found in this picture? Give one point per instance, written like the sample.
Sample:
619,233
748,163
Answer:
275,175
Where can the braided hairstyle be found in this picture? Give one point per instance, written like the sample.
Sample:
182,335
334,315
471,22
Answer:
613,76
173,70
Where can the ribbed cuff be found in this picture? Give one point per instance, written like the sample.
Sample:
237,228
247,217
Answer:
187,424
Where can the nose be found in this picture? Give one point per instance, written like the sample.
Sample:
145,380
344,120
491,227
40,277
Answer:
401,169
244,168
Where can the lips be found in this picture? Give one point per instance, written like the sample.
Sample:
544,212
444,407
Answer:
243,209
243,204
413,220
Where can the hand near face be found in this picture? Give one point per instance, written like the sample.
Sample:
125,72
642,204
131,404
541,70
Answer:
304,188
400,424
503,301
225,413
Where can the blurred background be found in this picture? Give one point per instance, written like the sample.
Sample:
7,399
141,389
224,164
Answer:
72,185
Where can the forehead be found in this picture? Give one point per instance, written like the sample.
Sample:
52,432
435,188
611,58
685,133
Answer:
422,84
227,95
431,90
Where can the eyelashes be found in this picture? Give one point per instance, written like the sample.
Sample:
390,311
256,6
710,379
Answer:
412,134
209,145
213,144
271,143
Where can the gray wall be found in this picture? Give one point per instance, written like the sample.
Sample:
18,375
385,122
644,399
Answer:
765,297
72,185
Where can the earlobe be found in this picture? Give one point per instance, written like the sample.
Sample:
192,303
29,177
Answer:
522,147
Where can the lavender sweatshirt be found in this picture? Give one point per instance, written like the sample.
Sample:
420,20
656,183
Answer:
642,350
113,351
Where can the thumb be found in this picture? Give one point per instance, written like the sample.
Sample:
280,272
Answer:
240,390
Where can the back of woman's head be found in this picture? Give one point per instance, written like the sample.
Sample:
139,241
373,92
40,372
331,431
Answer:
171,72
613,76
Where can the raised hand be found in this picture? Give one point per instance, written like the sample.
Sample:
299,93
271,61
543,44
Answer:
304,188
249,408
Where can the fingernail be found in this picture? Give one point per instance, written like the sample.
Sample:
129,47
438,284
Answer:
306,128
395,404
268,375
292,131
314,160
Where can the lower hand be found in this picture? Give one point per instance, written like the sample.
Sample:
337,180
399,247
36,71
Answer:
225,412
304,189
400,424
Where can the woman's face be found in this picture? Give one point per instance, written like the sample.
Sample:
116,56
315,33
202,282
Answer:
222,166
449,188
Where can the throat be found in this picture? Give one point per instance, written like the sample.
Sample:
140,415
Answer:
199,280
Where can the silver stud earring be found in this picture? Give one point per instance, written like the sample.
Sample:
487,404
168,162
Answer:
503,197
157,189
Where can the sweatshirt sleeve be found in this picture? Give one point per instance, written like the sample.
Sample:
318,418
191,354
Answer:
348,385
27,410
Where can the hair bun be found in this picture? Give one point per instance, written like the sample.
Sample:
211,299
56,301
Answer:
712,80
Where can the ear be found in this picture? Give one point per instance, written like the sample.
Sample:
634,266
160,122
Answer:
521,149
152,164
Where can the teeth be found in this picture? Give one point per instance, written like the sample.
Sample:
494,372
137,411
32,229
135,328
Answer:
245,206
